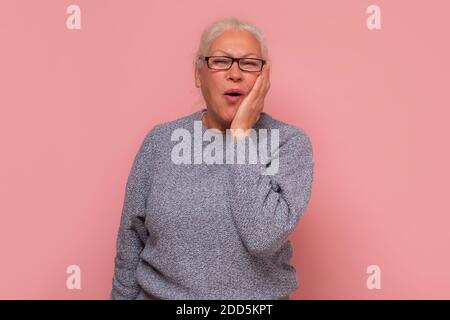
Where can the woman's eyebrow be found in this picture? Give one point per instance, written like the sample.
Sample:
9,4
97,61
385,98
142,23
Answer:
230,55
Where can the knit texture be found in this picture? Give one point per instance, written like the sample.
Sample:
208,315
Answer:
211,231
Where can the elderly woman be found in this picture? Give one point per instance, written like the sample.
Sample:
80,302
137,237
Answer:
200,230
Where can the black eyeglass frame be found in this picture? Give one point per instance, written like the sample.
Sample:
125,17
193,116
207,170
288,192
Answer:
263,62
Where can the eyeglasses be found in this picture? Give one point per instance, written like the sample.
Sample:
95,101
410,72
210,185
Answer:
225,63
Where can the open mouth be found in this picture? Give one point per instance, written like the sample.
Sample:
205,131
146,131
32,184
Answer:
233,97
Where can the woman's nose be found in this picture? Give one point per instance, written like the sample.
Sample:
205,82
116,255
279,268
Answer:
234,72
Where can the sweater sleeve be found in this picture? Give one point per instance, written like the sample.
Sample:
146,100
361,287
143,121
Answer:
267,207
132,233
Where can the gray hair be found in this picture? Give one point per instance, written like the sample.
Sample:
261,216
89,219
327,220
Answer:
218,27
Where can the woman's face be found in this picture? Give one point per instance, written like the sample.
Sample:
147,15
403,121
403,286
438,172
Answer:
214,83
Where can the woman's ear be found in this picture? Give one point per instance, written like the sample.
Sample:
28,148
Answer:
198,82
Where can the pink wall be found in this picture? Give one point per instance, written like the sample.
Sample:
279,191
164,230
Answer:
76,104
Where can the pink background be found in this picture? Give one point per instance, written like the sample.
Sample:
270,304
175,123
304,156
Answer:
76,104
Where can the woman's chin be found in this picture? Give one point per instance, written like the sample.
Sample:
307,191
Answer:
228,114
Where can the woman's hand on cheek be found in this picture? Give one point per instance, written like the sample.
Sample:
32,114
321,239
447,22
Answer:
251,106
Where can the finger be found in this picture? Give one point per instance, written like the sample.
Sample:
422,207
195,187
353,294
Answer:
266,68
266,85
259,84
254,91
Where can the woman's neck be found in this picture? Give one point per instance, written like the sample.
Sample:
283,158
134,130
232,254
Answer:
211,124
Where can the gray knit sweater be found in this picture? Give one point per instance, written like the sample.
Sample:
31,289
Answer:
211,231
